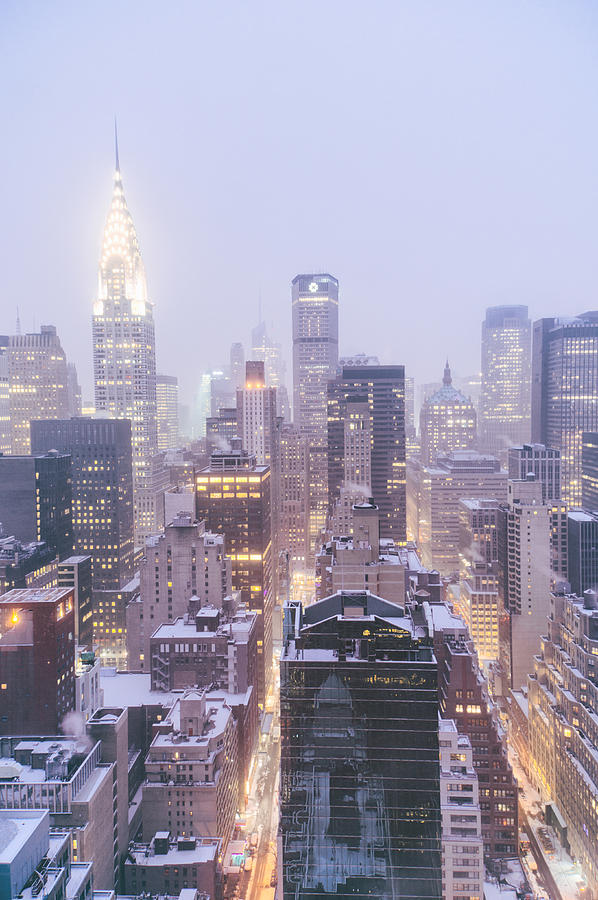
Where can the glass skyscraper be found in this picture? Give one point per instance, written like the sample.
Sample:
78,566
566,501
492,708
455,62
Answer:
504,417
565,392
360,796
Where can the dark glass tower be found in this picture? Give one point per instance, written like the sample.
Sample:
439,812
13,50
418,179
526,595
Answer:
360,796
383,388
589,470
102,491
36,499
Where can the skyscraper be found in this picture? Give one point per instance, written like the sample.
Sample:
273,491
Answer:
315,358
5,431
543,462
102,486
505,394
167,411
38,382
270,353
124,352
294,497
359,785
447,421
382,388
565,391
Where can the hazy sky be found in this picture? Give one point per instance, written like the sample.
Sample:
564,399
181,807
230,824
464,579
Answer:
437,157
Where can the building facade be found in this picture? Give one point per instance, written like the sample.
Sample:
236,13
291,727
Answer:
315,358
36,498
505,394
102,486
124,351
565,392
589,470
582,547
38,383
543,462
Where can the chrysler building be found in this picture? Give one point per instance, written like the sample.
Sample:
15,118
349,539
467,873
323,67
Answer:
124,351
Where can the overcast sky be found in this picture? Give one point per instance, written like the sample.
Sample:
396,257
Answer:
437,157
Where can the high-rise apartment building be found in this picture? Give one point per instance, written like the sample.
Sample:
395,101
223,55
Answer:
36,499
37,660
233,497
102,487
257,426
167,411
589,470
447,421
38,382
294,497
315,358
124,351
360,778
505,393
462,843
529,530
563,723
565,392
433,502
382,388
183,562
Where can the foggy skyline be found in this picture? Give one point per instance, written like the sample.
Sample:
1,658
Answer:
435,158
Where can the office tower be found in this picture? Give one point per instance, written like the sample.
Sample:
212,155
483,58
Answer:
528,579
37,660
409,405
237,365
582,549
462,843
75,572
434,494
357,465
5,430
184,561
124,347
74,390
222,430
198,741
359,561
359,784
383,388
27,565
167,411
315,358
177,500
222,391
111,622
589,470
36,499
233,497
294,497
483,559
257,424
38,382
464,697
505,394
543,462
563,710
102,486
565,391
447,421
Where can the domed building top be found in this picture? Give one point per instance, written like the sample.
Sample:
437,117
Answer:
447,395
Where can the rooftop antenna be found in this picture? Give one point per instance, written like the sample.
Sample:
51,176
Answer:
18,331
116,145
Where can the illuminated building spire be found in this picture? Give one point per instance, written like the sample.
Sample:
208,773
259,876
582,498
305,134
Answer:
447,379
117,166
